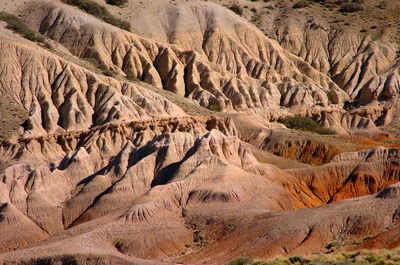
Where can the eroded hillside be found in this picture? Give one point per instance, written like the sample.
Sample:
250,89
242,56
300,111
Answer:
165,144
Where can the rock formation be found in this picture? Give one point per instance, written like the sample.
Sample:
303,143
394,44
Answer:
107,163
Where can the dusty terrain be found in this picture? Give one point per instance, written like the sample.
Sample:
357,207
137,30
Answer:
165,144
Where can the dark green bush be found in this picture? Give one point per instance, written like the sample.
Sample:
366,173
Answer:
237,9
117,2
305,124
17,25
217,108
333,245
99,11
301,4
320,1
351,7
295,259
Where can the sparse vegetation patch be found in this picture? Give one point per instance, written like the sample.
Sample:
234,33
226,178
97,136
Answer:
305,124
237,9
351,7
99,11
334,245
383,256
17,25
117,2
217,108
241,261
301,4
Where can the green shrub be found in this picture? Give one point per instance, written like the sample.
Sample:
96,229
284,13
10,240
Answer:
117,2
382,5
342,258
17,25
217,108
99,11
305,124
301,4
241,261
368,237
374,259
295,259
2,136
237,9
351,7
333,245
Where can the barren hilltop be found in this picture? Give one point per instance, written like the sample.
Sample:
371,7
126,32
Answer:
197,132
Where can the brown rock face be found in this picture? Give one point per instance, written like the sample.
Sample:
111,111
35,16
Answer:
352,175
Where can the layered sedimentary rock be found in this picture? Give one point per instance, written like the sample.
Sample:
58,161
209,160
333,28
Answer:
352,175
138,168
301,232
237,67
156,188
104,169
61,96
366,69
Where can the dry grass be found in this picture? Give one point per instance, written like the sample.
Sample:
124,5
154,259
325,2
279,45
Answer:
99,11
382,256
306,124
17,25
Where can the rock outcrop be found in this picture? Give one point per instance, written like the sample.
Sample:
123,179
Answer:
352,175
61,96
137,169
107,169
237,67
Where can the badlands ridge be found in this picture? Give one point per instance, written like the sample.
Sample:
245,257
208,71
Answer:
165,145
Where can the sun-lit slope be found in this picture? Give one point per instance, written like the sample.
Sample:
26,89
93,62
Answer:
239,68
265,235
61,96
362,64
143,178
224,226
351,175
110,170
